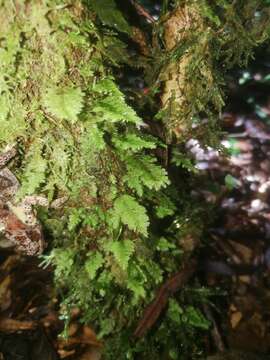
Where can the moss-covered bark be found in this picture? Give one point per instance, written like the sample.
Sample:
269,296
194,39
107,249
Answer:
203,40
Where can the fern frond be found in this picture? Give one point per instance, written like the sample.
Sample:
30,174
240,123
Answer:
110,15
93,264
122,251
142,170
64,103
129,212
136,281
165,206
112,107
34,173
133,142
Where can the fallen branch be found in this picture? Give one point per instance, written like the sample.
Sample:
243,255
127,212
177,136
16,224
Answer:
13,325
171,286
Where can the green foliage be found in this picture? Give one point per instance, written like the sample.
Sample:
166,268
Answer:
190,315
195,318
111,105
64,260
164,245
64,103
127,211
142,171
133,142
79,138
165,206
117,236
122,251
34,173
110,15
231,182
180,159
93,263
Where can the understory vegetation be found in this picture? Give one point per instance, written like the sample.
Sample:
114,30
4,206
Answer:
116,154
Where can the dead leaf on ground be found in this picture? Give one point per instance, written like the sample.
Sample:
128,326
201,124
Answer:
243,251
250,335
235,318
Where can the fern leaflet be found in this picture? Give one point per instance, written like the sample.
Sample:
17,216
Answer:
127,210
122,251
64,103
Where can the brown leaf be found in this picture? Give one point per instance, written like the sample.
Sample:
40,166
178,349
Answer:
235,318
243,251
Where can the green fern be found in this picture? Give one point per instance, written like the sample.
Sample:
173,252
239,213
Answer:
92,139
122,251
112,106
174,311
4,107
10,130
63,260
129,212
133,143
136,282
143,171
110,15
34,172
64,103
75,218
93,264
165,206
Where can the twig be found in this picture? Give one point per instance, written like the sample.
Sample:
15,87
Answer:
13,325
142,11
214,331
153,310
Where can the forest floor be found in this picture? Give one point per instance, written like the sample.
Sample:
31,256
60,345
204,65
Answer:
238,247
